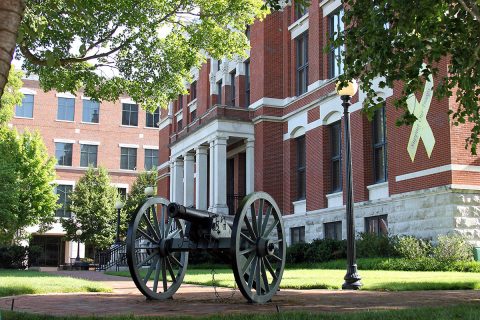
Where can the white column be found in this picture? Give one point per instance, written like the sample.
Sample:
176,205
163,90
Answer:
220,178
250,165
201,178
178,182
172,180
188,166
211,186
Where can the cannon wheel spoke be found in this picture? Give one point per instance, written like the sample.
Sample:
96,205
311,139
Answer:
156,273
256,228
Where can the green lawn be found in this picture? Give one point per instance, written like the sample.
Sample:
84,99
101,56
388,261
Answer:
16,282
463,312
333,279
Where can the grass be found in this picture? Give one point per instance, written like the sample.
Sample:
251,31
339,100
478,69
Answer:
332,279
464,312
16,282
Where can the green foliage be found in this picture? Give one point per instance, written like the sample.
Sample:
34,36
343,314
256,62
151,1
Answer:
393,38
296,253
27,174
411,248
451,248
136,197
11,96
13,257
319,250
370,245
92,204
111,47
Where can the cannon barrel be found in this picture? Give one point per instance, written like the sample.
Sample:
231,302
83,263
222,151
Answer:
178,211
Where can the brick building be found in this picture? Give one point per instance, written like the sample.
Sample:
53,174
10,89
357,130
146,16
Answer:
119,136
273,122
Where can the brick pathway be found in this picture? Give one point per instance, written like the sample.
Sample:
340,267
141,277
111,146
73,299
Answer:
199,300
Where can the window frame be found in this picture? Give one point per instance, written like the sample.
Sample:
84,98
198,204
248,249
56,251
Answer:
336,127
23,107
380,145
193,90
88,153
193,115
151,158
131,113
232,88
155,117
65,213
333,226
301,71
219,92
377,220
301,234
63,108
334,59
300,10
89,109
301,169
128,155
247,83
179,125
64,153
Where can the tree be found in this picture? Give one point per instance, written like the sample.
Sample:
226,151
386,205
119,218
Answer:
143,48
136,197
394,38
27,174
92,207
11,96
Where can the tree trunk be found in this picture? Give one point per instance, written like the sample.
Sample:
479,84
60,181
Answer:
11,13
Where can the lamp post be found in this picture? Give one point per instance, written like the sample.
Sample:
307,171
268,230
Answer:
352,278
149,191
78,233
118,205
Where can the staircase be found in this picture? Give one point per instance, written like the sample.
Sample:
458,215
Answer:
111,259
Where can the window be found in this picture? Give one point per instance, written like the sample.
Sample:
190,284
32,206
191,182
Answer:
193,115
379,146
335,62
122,193
247,83
377,225
63,153
179,125
66,109
90,111
63,192
193,91
88,155
153,119
232,88
336,156
129,114
128,158
298,234
247,32
25,110
301,163
219,90
180,103
302,63
300,10
219,64
151,159
333,230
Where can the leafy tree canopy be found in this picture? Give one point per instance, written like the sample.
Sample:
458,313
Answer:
27,174
394,38
143,48
93,211
11,96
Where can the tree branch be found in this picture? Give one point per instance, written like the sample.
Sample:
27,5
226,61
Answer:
472,9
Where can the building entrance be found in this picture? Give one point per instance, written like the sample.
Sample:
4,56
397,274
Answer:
52,250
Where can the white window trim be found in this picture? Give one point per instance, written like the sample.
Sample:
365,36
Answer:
128,145
150,147
192,105
65,95
179,116
120,185
86,98
127,100
28,91
64,140
329,6
94,143
299,26
65,182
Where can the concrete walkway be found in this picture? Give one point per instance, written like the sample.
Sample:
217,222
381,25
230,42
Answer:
200,300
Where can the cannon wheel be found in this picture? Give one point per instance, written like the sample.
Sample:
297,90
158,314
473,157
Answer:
258,247
156,272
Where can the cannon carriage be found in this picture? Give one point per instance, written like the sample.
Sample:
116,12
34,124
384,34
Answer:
161,235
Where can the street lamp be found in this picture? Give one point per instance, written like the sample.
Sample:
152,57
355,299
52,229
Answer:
352,278
79,232
149,191
118,205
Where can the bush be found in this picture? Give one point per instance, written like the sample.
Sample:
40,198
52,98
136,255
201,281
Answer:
297,253
320,250
13,257
412,248
452,248
370,245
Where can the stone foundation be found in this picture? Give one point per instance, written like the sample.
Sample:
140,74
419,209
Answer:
423,214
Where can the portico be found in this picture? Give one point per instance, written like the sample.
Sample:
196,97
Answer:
198,164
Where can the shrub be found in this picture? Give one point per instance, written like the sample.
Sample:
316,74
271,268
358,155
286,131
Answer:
13,257
412,248
320,250
370,245
451,248
297,253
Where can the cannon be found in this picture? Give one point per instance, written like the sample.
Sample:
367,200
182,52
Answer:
161,235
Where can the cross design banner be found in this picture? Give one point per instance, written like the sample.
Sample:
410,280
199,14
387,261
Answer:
421,129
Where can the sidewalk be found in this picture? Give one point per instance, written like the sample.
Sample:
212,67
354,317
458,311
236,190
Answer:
199,300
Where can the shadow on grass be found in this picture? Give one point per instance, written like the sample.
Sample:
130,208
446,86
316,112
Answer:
416,286
16,290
